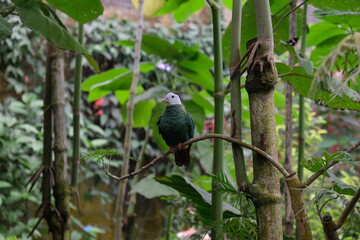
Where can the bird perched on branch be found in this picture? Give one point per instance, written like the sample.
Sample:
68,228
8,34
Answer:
176,126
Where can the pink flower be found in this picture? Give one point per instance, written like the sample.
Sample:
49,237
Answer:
98,103
26,79
100,112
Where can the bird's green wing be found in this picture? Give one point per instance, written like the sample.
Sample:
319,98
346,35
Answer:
158,123
190,125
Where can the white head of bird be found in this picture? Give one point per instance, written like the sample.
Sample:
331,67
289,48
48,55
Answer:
172,98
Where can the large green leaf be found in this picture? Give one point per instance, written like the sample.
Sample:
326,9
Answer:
301,82
82,11
197,112
343,5
341,187
347,19
200,197
5,28
40,17
111,80
157,112
324,48
150,188
141,114
181,9
322,31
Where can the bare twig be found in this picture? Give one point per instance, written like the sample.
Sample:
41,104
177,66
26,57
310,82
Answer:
313,177
287,14
197,139
347,210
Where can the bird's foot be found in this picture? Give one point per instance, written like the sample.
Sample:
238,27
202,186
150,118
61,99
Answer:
179,146
172,149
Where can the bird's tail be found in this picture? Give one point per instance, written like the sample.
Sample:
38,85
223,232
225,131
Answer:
182,156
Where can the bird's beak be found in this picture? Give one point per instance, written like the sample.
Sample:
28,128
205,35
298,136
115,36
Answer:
165,100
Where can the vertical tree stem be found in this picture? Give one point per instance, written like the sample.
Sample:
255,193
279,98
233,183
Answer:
289,215
46,184
76,112
219,122
236,108
61,187
260,84
301,99
121,194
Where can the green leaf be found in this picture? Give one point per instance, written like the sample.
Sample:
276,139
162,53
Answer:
96,93
150,188
324,48
182,9
142,113
157,112
301,82
341,187
92,62
347,19
82,11
344,5
18,107
322,31
4,184
5,28
197,112
114,79
202,101
315,164
146,67
39,17
306,64
200,197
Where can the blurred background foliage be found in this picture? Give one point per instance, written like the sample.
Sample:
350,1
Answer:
177,58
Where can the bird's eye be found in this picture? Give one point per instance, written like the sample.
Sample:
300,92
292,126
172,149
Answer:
172,96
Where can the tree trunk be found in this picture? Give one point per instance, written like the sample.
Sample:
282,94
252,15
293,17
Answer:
260,84
61,187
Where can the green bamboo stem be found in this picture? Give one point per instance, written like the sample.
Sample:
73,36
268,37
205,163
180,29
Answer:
216,210
289,215
120,213
302,100
236,105
260,84
169,222
76,112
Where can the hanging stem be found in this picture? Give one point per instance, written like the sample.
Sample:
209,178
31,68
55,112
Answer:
216,210
76,112
236,108
121,194
289,215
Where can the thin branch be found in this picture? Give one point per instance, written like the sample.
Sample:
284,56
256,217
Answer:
287,14
347,210
313,177
197,139
8,10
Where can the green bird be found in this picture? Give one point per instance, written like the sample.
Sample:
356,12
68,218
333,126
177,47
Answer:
176,126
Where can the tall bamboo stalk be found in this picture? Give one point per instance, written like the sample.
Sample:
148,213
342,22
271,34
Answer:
289,215
236,108
76,112
121,194
61,187
46,184
216,210
301,99
260,84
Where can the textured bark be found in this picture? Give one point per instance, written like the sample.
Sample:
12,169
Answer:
260,83
298,206
61,187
